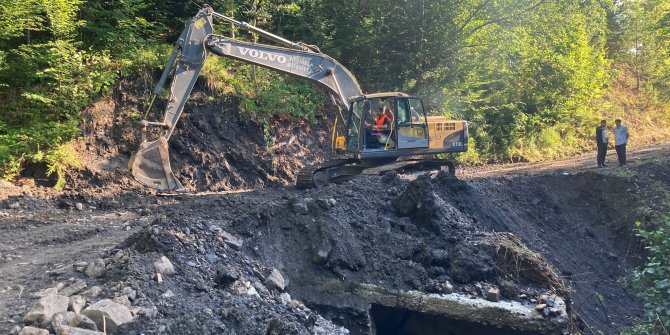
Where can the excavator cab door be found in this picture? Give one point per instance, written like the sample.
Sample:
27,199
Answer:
412,127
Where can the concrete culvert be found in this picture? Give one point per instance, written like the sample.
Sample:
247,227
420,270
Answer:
399,321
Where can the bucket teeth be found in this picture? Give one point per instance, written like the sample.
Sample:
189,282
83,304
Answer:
150,165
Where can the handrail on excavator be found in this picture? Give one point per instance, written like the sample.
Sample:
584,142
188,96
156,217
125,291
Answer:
265,34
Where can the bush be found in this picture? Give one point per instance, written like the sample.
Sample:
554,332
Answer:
653,281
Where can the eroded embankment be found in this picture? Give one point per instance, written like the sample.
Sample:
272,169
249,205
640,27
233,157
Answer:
383,254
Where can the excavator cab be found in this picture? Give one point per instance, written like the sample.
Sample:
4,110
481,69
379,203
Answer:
384,124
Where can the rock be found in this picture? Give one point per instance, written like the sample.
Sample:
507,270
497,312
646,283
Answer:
332,202
164,266
43,310
45,292
130,293
296,304
15,330
493,294
14,205
168,294
545,312
535,201
62,318
67,330
323,203
92,292
284,298
74,288
300,208
84,322
108,315
231,240
479,289
550,302
79,206
33,331
95,269
225,276
123,300
262,290
447,287
252,291
508,289
275,280
149,312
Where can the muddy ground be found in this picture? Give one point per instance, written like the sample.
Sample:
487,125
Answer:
571,230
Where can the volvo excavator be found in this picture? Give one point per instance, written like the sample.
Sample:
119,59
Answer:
370,130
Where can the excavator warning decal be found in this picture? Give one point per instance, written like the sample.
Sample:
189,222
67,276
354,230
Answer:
200,23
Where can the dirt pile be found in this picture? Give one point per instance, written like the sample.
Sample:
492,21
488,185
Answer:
249,263
214,147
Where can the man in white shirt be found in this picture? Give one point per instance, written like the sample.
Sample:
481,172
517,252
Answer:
620,141
601,141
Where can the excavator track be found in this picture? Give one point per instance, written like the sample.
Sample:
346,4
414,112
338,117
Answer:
315,176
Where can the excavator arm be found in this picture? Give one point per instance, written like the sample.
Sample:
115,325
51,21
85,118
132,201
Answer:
150,165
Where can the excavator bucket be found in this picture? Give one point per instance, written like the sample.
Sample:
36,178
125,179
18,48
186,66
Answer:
150,165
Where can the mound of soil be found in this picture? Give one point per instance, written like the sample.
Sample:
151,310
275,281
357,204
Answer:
214,147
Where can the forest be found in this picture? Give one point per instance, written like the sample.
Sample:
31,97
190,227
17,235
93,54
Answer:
532,77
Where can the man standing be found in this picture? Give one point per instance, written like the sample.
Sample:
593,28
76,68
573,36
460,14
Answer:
620,141
601,140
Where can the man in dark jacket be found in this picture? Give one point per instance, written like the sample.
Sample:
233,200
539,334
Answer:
601,140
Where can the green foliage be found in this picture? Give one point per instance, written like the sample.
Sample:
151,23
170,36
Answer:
272,94
283,96
528,75
653,280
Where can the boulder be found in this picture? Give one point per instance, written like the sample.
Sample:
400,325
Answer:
66,330
33,331
44,309
83,321
275,280
108,315
62,318
77,303
96,268
73,288
164,266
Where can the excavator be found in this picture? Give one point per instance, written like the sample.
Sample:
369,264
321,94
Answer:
369,130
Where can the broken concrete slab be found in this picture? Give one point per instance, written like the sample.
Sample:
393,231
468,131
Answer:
503,314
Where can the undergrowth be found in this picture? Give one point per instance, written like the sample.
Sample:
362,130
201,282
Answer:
652,280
